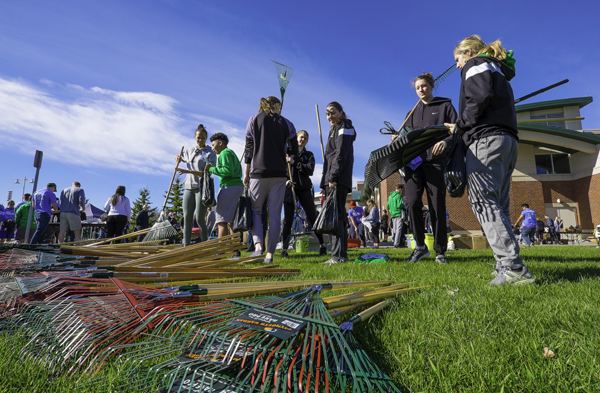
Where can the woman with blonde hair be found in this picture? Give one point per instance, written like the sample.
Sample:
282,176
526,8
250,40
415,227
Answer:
303,167
488,125
337,173
426,172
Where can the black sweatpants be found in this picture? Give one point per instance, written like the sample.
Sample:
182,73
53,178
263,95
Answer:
431,179
305,197
339,242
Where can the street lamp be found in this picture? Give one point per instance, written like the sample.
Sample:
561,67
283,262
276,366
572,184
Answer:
24,184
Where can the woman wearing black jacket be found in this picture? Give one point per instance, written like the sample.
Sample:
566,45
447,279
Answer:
337,172
488,125
426,172
303,166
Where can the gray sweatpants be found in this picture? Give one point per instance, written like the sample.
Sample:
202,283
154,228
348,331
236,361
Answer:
490,164
397,228
273,190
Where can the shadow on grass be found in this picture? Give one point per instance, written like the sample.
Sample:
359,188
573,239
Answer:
554,274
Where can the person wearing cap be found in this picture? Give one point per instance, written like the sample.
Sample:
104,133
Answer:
357,228
72,201
142,221
45,204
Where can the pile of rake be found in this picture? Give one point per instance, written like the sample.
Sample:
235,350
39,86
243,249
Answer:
234,346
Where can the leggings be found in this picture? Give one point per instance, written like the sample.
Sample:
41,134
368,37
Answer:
192,200
115,225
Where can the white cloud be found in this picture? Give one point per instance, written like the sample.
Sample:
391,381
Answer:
100,128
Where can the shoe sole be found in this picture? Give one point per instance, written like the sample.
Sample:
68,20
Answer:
523,281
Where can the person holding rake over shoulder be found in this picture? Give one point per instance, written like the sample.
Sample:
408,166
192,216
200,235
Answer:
426,172
337,173
231,186
488,125
196,159
302,166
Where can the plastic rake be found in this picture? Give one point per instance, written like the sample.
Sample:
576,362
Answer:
284,74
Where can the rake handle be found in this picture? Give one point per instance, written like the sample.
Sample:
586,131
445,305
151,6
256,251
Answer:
173,178
320,132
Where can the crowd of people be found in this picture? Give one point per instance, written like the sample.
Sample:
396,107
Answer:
276,168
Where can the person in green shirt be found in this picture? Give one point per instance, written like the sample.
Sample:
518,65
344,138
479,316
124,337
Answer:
229,171
21,218
394,205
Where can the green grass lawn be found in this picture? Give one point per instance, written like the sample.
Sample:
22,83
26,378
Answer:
479,338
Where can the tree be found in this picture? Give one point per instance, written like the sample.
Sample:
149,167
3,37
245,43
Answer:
175,200
138,205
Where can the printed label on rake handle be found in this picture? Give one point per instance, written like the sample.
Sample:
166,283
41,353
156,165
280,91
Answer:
210,385
276,325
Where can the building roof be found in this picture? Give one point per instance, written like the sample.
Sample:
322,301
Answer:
536,106
562,139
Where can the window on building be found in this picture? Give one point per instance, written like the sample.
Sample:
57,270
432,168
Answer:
551,164
548,117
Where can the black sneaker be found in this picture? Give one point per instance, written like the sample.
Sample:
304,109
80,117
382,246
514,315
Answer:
323,250
284,254
418,254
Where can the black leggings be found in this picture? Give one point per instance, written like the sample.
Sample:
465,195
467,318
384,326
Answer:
305,197
115,225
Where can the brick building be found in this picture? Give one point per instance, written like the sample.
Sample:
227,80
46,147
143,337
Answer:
557,172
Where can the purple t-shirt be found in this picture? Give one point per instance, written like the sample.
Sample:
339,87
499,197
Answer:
43,200
356,214
529,221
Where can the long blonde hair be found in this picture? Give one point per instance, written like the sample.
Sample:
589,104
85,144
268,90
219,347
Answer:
477,47
267,105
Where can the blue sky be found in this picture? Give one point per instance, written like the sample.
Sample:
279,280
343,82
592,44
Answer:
111,90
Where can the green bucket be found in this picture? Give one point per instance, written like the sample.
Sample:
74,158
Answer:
429,241
302,244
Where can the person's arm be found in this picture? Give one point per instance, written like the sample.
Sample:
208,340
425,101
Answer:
450,116
521,217
249,150
247,175
307,168
82,199
107,205
341,155
127,208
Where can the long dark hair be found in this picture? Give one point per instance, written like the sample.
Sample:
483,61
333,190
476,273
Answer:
120,192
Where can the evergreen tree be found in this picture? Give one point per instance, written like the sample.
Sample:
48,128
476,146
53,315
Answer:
138,205
175,200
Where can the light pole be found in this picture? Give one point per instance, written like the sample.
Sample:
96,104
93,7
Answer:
24,184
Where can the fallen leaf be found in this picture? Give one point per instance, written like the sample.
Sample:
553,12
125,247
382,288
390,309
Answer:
451,293
548,354
477,276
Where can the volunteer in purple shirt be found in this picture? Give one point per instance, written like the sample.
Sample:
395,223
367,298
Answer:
45,204
7,222
529,224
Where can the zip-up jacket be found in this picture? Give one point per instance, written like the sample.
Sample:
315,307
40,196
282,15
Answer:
302,169
268,138
487,103
439,111
339,155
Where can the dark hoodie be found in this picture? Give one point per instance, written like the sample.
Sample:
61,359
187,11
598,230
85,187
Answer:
437,112
302,169
339,155
487,103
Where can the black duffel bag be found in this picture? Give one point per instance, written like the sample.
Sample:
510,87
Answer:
208,190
